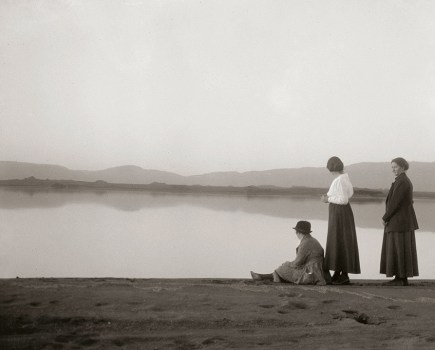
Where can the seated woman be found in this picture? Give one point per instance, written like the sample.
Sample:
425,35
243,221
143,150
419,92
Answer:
307,268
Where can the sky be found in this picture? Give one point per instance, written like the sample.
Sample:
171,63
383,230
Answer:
201,86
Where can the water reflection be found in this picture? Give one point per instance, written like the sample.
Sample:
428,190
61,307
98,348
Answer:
135,234
367,214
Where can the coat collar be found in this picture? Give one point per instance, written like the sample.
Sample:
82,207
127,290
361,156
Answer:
307,235
401,176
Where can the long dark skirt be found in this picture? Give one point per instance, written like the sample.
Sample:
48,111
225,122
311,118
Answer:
341,245
399,254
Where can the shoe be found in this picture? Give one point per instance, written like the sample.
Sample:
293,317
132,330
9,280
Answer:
255,276
261,276
327,276
276,277
341,280
397,282
335,277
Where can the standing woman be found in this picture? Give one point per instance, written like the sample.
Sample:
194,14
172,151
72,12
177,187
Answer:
341,254
399,252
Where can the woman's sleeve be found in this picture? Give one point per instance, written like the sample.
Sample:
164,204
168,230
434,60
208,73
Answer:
302,255
336,194
395,200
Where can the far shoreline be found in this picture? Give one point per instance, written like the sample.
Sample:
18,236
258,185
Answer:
68,186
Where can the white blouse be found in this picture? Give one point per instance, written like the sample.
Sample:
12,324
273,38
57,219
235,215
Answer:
341,190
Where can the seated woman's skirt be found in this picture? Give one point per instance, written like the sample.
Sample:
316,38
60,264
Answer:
311,273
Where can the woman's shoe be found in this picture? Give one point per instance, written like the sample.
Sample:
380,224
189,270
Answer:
261,277
335,276
276,277
255,276
341,280
397,282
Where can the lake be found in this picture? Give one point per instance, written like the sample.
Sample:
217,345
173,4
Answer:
142,235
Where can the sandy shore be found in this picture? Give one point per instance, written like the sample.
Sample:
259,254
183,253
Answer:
109,313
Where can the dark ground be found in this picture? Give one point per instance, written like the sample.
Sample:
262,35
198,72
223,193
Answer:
99,313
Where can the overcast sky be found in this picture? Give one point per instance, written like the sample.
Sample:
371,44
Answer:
200,86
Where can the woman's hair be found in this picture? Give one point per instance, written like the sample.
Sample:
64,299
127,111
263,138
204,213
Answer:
335,164
401,162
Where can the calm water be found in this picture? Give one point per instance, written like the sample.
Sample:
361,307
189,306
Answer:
130,234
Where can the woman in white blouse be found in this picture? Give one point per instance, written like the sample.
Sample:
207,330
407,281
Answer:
341,254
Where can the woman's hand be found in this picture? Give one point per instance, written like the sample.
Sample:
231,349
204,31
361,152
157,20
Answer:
384,223
324,198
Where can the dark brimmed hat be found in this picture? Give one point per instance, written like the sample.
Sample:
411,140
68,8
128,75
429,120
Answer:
303,227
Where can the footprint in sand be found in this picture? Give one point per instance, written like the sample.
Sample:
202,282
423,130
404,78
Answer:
184,343
393,307
223,308
212,340
328,301
35,304
63,338
283,312
247,331
118,342
293,305
8,301
88,341
156,308
101,304
290,295
126,340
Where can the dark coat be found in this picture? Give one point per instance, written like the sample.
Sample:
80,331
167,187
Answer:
399,214
308,251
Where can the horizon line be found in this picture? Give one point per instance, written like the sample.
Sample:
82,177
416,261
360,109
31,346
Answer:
200,174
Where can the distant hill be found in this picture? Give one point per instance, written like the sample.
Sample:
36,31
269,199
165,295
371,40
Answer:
123,174
363,175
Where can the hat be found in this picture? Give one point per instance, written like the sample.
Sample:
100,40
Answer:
303,227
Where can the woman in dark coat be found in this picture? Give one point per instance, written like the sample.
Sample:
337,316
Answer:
399,251
341,254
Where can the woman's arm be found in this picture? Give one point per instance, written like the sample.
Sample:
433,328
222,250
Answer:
395,201
302,255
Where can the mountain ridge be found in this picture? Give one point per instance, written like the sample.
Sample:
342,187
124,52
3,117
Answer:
374,175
